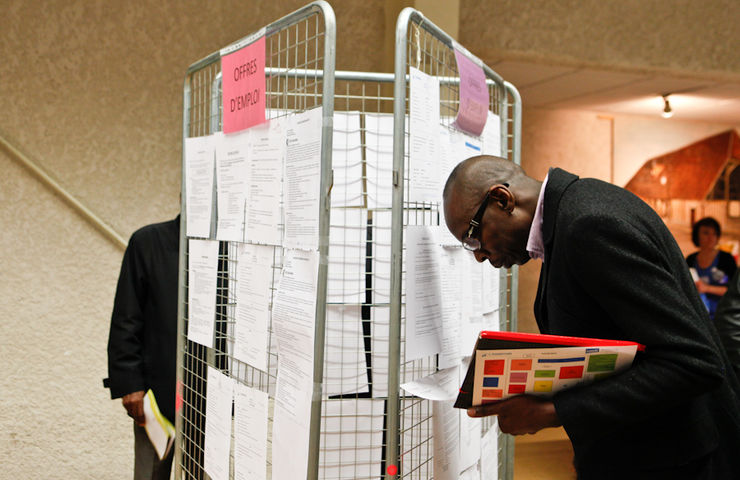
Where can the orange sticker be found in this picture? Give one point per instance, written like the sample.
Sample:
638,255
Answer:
521,364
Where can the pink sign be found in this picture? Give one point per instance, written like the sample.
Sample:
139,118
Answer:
243,87
473,111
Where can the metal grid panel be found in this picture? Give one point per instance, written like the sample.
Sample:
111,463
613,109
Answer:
296,56
354,432
427,48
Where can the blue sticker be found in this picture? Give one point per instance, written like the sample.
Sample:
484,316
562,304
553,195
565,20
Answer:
490,381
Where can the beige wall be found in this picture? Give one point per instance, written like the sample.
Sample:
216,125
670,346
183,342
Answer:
579,142
92,91
57,280
576,141
633,35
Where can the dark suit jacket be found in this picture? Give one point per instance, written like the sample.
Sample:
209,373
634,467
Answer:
143,330
613,270
727,320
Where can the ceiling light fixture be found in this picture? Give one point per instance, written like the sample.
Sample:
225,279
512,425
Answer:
667,111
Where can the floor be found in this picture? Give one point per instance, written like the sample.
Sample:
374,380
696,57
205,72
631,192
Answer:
546,455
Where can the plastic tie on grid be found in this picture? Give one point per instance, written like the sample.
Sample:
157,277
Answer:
417,44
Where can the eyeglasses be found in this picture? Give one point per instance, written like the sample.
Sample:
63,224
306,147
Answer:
470,242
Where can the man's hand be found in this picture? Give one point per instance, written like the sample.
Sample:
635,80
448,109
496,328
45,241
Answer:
521,414
134,405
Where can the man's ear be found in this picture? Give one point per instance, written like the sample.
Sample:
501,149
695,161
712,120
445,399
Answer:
504,197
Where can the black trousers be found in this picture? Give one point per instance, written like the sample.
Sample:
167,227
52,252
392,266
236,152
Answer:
147,465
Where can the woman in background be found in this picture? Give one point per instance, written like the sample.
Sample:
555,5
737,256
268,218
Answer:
711,267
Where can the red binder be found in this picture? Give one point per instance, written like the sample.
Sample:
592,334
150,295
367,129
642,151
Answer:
515,376
492,340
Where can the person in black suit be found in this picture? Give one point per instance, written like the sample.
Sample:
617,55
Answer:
143,336
611,269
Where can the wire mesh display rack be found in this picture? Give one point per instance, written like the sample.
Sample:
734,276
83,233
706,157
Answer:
362,424
299,64
422,45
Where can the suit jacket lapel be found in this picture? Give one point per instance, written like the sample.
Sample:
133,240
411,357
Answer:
558,181
540,311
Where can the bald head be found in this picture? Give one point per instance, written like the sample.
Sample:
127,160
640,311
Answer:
510,198
474,175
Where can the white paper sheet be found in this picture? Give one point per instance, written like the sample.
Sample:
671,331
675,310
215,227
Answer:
440,386
457,146
232,152
252,313
473,322
472,304
480,301
489,452
217,449
352,435
264,191
291,421
452,261
446,165
346,161
423,292
250,433
461,147
379,159
159,430
202,273
473,473
490,289
446,426
294,309
379,340
303,179
491,321
470,439
347,256
345,368
423,168
491,135
381,252
199,164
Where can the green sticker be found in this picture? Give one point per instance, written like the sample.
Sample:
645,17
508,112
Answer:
604,362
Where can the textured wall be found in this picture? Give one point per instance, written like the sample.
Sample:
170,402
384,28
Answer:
92,91
579,142
576,141
678,35
57,279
